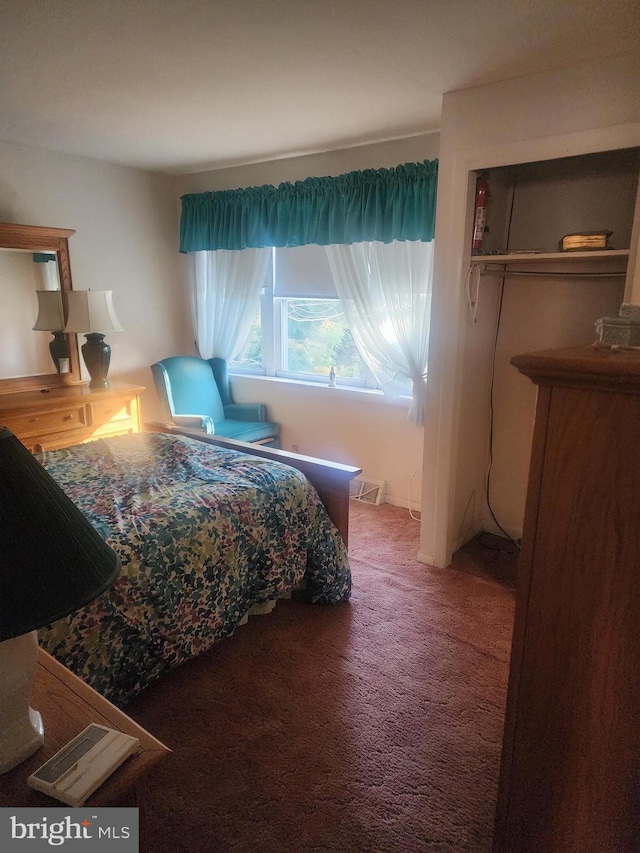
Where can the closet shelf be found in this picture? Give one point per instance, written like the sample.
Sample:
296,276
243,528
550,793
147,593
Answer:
538,257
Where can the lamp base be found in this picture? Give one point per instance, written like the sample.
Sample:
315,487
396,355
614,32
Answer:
59,348
21,729
97,356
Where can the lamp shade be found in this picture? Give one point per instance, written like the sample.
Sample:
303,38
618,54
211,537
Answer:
50,311
52,560
92,311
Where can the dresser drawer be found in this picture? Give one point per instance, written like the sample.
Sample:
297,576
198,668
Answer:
110,411
52,420
57,440
71,415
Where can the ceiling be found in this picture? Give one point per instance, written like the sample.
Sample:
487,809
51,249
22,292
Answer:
181,86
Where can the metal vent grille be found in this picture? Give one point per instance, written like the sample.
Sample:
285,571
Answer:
366,490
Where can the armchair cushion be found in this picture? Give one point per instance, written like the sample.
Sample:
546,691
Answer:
246,412
220,374
246,430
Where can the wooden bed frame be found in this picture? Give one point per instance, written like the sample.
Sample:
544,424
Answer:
330,479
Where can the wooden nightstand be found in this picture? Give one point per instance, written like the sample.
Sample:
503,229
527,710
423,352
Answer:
67,706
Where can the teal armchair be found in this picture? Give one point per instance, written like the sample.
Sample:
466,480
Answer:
195,393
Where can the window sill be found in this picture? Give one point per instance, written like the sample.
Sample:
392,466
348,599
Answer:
342,392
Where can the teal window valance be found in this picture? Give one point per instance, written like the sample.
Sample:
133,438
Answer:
370,205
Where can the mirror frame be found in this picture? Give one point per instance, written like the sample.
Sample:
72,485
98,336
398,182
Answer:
36,238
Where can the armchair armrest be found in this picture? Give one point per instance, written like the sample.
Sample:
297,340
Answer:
202,422
246,412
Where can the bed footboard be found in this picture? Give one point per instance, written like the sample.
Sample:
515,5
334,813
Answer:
330,479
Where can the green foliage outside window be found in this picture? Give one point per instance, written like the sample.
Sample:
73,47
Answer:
319,339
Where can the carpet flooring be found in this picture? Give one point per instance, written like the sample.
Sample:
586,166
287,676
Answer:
371,726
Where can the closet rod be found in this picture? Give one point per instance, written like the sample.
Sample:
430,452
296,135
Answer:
502,273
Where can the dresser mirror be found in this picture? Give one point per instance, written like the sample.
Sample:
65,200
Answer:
32,259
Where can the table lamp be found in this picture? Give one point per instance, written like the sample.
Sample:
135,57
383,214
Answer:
52,562
51,319
91,312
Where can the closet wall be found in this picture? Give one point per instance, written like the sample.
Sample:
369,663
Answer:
539,119
528,303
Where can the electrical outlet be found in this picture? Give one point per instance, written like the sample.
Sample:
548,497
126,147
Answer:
295,448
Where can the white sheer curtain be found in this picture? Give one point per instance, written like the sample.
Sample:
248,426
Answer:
385,289
225,295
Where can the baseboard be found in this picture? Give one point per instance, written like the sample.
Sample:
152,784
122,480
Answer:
403,502
425,558
489,526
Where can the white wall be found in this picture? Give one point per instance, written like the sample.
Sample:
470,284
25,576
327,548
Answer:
378,156
347,427
126,240
537,313
356,429
582,109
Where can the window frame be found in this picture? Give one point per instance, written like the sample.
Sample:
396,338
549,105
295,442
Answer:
280,346
274,342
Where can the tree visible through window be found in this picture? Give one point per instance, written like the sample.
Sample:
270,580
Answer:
317,338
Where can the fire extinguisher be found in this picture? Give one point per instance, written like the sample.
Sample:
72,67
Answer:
480,212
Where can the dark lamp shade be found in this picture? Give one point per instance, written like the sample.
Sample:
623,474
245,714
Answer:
52,560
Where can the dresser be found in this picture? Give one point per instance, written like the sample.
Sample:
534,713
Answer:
570,773
59,417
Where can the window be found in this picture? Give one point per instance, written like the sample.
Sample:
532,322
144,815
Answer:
300,331
314,337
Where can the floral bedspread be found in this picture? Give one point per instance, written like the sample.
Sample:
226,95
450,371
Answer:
203,534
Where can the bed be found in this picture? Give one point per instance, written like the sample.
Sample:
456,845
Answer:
206,534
